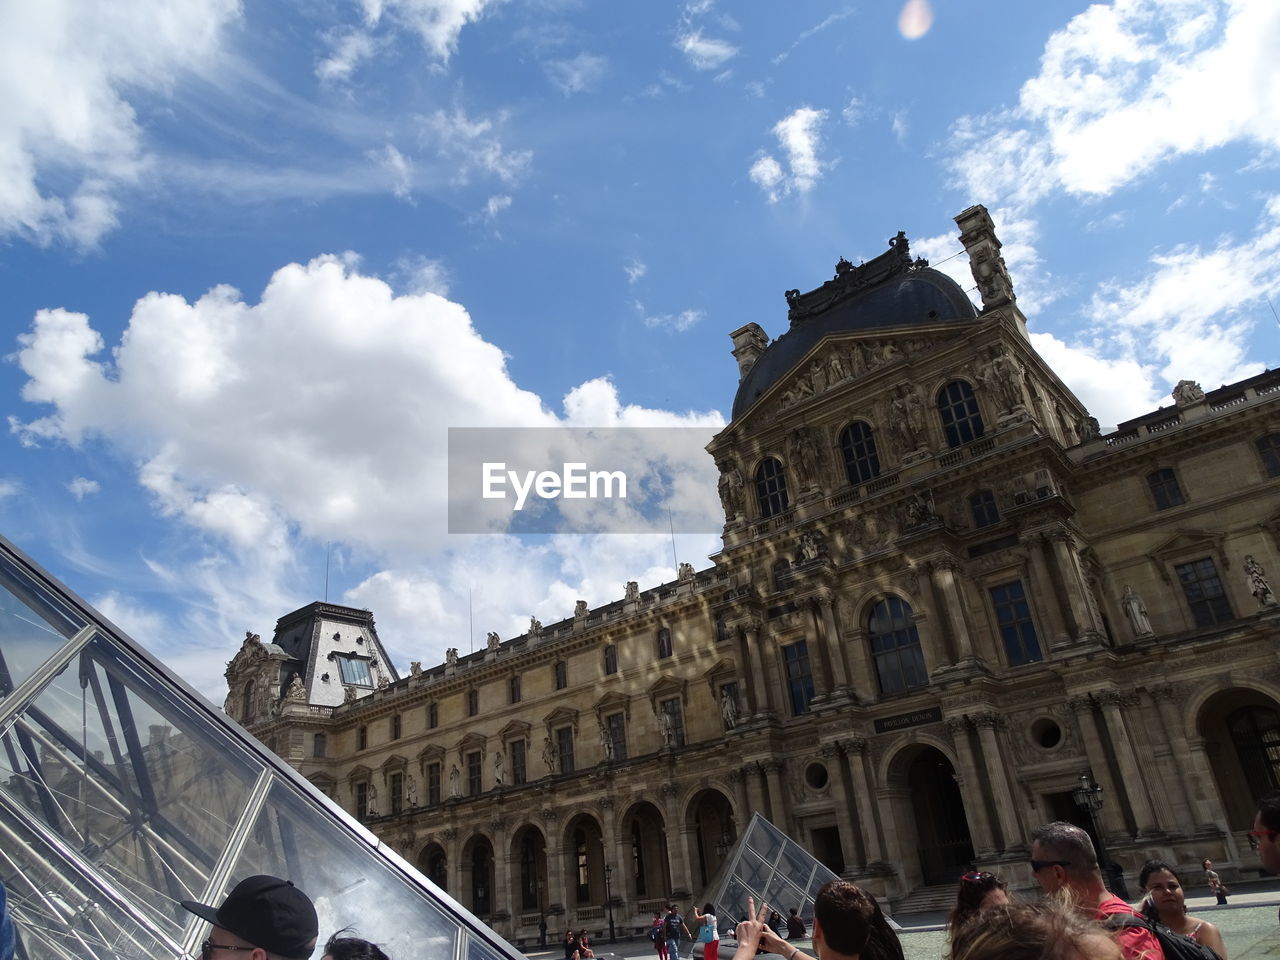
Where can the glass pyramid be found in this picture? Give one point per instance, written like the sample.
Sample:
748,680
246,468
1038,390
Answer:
771,867
122,791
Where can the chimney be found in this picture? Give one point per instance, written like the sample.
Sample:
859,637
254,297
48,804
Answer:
748,343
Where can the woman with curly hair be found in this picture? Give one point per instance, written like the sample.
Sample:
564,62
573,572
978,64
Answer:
1166,902
978,891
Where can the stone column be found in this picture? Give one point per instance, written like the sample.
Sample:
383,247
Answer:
758,684
743,812
818,656
1173,808
1074,585
831,638
999,776
778,808
1171,753
1133,785
753,778
944,579
861,671
842,799
557,896
975,798
677,847
1111,818
503,892
1047,593
1203,802
855,749
937,618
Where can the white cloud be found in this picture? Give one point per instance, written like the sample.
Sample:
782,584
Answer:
70,140
830,20
900,125
1112,388
145,626
799,137
634,269
348,48
853,111
677,322
418,274
437,22
82,487
398,167
496,205
578,74
472,145
1121,89
9,488
705,53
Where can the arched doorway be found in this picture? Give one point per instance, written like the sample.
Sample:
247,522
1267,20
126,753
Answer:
584,861
1241,730
644,831
925,778
478,875
434,865
529,849
714,832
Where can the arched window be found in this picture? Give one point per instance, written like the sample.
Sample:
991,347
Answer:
895,646
580,856
529,871
771,488
858,446
961,420
246,702
1255,732
664,642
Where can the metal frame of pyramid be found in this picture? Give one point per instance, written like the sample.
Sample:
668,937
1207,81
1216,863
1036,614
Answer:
122,792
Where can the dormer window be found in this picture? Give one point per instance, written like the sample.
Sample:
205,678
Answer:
354,669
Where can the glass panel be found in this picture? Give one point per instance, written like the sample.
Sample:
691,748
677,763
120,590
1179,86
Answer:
34,624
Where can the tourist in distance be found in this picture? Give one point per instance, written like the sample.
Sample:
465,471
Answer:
1166,903
978,891
708,931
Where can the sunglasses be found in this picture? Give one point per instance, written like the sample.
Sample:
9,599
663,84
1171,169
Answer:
1038,865
978,876
1262,833
207,948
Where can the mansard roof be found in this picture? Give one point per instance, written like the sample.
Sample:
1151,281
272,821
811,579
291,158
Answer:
889,292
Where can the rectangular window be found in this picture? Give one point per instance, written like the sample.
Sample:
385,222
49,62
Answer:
1013,616
473,703
515,688
799,676
675,717
1269,451
433,715
983,507
616,724
611,659
1205,595
397,793
515,749
564,743
561,670
1164,489
354,670
664,643
362,737
395,726
362,801
473,773
319,746
433,784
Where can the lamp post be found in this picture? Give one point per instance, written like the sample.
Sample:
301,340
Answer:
1088,797
608,899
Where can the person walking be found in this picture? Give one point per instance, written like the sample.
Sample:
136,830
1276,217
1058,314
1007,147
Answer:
1215,882
708,931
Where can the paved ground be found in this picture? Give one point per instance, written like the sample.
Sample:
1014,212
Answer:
1248,923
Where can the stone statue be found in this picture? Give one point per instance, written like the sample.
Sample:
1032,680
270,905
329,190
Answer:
919,508
498,761
808,546
835,368
991,275
371,802
296,692
451,657
606,743
667,730
1003,377
728,710
415,668
455,781
492,641
731,490
632,591
915,415
684,571
803,457
1187,391
348,694
1088,429
901,421
1258,584
382,682
1136,611
535,627
549,754
410,791
580,610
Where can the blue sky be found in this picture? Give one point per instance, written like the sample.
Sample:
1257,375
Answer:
257,258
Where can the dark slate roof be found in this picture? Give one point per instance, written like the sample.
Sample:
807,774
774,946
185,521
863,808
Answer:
887,293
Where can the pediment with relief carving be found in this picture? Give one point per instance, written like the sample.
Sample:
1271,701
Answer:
837,362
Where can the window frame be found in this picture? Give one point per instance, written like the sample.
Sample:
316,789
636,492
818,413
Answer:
565,749
395,787
397,726
354,669
1267,448
514,693
617,733
770,478
519,756
1165,488
473,702
983,509
860,454
434,777
1014,618
474,763
678,738
1204,604
960,414
610,659
560,674
433,715
662,642
797,671
320,746
362,737
897,609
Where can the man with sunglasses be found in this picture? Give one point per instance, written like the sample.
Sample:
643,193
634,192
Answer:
1063,859
263,918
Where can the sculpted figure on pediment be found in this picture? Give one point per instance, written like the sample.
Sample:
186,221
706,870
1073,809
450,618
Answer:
836,372
451,657
731,486
818,376
860,357
1002,376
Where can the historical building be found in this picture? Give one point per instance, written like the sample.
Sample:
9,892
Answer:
943,597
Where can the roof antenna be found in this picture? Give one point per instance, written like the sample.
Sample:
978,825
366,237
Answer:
327,550
471,622
671,527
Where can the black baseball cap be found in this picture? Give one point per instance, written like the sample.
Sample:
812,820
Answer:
267,912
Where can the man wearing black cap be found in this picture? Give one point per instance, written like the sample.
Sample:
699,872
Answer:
264,918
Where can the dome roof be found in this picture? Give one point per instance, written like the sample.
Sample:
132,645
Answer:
910,295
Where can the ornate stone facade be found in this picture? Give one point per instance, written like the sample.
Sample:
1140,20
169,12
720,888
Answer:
943,595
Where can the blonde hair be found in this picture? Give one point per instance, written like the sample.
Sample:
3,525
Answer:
1049,929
